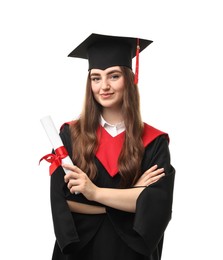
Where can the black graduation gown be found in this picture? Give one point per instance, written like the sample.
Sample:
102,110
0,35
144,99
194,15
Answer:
116,234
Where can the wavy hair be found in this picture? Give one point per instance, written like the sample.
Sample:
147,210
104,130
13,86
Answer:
84,137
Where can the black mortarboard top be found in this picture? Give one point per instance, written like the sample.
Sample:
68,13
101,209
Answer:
104,51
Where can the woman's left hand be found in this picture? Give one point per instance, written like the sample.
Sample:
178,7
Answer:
78,181
152,175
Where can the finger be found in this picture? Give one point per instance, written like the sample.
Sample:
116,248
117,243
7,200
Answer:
156,172
73,168
147,175
74,189
70,175
154,179
153,176
151,169
154,167
72,183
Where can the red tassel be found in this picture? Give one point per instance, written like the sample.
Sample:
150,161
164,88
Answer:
137,63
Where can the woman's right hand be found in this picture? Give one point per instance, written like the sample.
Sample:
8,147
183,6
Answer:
150,176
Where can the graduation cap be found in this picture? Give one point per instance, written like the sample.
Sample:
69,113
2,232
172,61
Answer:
104,51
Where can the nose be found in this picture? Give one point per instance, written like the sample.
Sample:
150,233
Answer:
105,85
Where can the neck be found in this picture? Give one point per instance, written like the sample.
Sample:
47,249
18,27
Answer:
112,116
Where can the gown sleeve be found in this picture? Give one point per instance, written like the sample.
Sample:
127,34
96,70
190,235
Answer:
64,226
144,230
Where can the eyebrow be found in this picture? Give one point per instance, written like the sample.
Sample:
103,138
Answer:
110,72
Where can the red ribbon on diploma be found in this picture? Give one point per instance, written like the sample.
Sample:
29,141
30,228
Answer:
55,159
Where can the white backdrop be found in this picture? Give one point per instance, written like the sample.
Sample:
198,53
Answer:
180,80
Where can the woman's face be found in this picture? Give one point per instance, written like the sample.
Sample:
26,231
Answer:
108,86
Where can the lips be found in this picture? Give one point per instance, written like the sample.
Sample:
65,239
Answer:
106,95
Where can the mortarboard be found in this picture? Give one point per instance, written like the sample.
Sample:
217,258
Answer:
104,51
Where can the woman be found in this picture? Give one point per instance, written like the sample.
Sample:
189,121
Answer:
116,201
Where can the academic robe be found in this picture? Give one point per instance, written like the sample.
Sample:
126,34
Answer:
116,234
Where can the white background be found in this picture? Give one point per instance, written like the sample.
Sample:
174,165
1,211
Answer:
180,81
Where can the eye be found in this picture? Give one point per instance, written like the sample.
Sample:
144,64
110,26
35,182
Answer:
115,76
95,79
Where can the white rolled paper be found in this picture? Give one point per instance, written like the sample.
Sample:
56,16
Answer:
54,137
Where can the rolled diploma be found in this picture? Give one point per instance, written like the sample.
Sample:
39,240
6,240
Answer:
54,137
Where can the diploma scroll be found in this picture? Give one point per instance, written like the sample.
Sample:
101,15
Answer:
56,141
54,137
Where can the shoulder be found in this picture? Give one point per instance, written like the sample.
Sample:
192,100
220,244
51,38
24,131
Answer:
65,134
66,125
150,133
65,130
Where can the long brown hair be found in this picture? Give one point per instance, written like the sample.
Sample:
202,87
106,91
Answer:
84,138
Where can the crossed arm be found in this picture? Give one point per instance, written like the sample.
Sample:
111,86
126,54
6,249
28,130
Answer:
122,199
